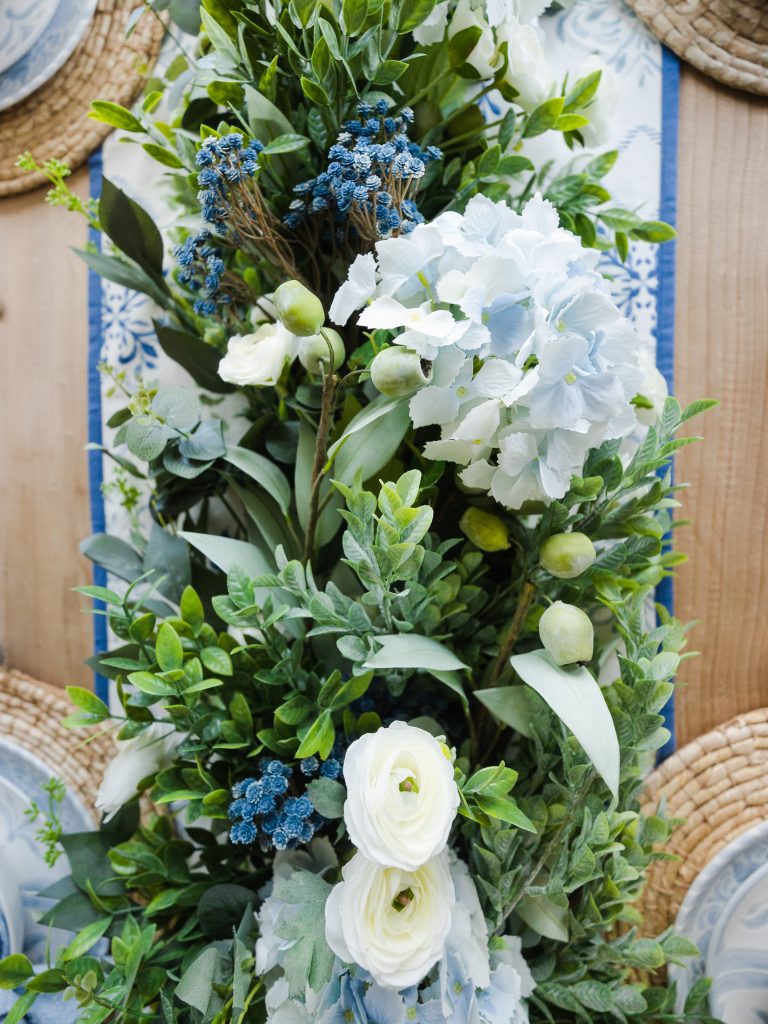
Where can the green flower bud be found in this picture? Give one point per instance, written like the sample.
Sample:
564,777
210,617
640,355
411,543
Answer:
486,530
567,555
397,371
298,310
215,335
566,632
314,354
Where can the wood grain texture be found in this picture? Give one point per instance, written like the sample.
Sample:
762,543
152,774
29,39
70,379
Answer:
44,510
722,352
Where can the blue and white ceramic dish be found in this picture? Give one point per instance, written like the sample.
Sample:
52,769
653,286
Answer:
48,1008
53,47
737,960
708,897
11,908
22,778
22,22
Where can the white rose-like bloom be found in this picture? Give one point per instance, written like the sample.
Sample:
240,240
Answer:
529,70
432,29
485,57
258,359
136,758
401,796
653,387
393,923
602,109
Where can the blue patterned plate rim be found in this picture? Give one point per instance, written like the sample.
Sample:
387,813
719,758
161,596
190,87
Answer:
23,774
55,46
28,773
21,25
706,891
728,914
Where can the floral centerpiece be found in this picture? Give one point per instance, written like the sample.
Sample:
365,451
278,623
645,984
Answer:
385,677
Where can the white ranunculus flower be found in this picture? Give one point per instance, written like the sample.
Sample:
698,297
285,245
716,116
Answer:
524,11
485,56
136,758
653,387
432,29
529,70
391,922
259,358
602,109
401,796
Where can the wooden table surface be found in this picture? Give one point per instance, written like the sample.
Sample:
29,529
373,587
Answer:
721,352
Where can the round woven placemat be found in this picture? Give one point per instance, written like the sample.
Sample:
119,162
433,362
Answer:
31,714
726,39
53,121
717,784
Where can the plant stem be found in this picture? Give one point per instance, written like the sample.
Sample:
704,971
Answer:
524,601
321,451
568,820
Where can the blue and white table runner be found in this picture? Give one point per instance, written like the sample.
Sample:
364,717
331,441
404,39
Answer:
644,177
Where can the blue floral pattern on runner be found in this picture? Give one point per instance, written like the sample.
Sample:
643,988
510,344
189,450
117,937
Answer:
128,335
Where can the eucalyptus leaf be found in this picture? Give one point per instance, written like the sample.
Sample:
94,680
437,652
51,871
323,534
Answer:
575,697
263,471
407,650
200,360
545,917
226,553
515,706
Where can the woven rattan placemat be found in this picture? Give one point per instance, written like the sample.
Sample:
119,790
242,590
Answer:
53,121
726,39
718,785
31,714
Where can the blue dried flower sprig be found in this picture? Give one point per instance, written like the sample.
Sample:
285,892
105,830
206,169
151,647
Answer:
228,167
265,811
201,271
235,212
373,170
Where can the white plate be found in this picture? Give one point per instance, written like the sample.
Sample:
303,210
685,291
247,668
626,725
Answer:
22,22
708,897
737,960
55,45
22,778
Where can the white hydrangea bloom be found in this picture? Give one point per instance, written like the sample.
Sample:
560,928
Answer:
533,364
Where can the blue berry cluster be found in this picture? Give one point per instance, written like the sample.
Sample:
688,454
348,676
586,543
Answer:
202,267
224,164
265,811
372,167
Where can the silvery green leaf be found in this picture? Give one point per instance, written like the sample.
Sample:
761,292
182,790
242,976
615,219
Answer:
512,705
328,797
265,120
308,960
114,555
266,518
545,917
263,471
179,408
227,553
196,983
370,440
146,438
379,407
206,443
407,650
578,701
